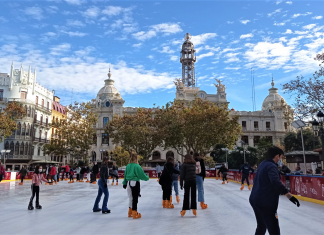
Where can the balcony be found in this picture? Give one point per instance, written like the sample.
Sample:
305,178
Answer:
10,156
40,140
3,100
268,129
41,123
43,108
20,100
256,129
244,128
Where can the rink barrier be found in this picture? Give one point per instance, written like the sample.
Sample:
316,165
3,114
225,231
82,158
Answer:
303,187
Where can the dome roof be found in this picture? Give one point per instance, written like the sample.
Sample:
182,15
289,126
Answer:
109,88
273,99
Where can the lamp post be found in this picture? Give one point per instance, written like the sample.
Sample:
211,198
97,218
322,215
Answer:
4,155
101,153
226,150
245,147
300,124
319,130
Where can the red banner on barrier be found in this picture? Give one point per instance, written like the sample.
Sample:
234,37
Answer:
311,187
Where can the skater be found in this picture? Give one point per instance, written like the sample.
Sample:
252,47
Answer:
2,172
48,169
88,174
95,171
78,169
166,181
91,172
58,171
53,174
175,184
23,172
158,170
71,176
201,174
188,174
133,174
114,174
67,171
102,188
83,170
224,171
38,177
245,168
265,193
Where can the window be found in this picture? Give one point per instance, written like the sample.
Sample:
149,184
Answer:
269,138
105,139
29,112
40,135
286,125
256,140
268,125
38,151
42,103
105,121
47,105
18,128
107,104
244,124
17,148
26,149
21,150
32,149
28,129
1,94
41,119
23,130
46,121
245,138
256,124
23,95
156,155
36,100
45,135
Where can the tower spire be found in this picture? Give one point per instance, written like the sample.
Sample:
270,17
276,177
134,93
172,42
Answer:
109,74
272,83
188,60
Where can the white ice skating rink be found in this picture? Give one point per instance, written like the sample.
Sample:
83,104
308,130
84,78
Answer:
67,210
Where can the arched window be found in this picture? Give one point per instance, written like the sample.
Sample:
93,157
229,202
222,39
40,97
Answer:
94,156
169,154
38,151
19,129
156,155
26,110
23,130
42,103
46,121
41,119
26,149
29,111
35,117
40,135
36,100
28,130
7,145
17,148
31,149
12,147
21,149
45,135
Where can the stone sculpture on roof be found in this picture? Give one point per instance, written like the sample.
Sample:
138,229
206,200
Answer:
220,86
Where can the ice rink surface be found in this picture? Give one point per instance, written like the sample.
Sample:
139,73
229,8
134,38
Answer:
67,209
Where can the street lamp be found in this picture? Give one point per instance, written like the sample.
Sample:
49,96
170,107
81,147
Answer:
226,150
101,152
4,155
300,124
319,130
245,147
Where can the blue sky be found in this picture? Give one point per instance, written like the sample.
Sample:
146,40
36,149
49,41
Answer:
72,43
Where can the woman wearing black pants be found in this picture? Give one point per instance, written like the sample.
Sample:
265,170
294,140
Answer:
36,181
188,174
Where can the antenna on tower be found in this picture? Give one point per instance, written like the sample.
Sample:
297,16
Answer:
253,90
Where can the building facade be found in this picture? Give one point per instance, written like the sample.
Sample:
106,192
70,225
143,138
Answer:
33,130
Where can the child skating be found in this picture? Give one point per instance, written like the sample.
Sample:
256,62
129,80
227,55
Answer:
36,181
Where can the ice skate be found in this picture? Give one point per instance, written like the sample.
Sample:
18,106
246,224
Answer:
223,182
194,211
81,181
203,205
38,206
30,206
46,183
21,183
55,182
112,183
164,203
95,182
216,178
169,205
136,215
227,181
242,187
130,212
116,183
178,199
88,181
105,212
182,213
98,210
51,183
171,199
249,187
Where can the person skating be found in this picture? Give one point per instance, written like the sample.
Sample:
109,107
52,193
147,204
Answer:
201,174
102,188
188,174
95,171
53,174
133,174
67,171
48,169
114,174
245,168
2,172
78,170
158,169
37,179
224,171
166,182
23,172
175,184
83,170
265,193
58,171
71,176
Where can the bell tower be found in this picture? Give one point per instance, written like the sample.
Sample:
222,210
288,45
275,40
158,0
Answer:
188,59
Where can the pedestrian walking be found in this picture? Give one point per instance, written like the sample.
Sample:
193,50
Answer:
95,171
83,170
48,169
265,193
175,183
2,172
224,171
246,169
133,174
158,169
200,177
71,176
166,181
114,174
88,174
188,174
23,172
37,179
78,170
53,175
102,188
67,171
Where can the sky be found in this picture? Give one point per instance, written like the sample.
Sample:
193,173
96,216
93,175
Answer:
72,43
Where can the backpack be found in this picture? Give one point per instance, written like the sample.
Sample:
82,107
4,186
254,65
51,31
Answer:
198,168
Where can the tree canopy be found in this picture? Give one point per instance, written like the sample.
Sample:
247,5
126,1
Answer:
293,141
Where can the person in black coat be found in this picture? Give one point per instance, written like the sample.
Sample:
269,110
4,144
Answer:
265,193
224,171
23,172
188,174
166,182
245,168
200,178
95,171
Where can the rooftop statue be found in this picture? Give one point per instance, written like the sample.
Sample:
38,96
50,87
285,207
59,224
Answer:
220,86
179,84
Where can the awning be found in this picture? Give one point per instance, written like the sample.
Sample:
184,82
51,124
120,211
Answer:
46,162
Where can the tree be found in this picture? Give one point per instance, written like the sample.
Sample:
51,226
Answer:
262,148
196,126
75,133
138,132
120,156
293,141
12,112
309,94
209,162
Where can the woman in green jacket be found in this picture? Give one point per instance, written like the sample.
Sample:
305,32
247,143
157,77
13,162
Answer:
132,176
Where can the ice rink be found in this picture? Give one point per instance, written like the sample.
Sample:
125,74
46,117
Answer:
67,209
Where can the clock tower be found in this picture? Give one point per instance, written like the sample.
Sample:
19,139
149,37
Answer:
188,59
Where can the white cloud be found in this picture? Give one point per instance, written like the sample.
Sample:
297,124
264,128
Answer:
245,21
205,55
230,22
91,12
297,15
274,12
232,57
278,2
167,50
174,58
75,23
142,35
113,10
279,24
212,48
60,49
137,45
150,57
85,51
165,28
232,68
288,31
202,38
35,12
310,26
289,2
249,35
52,9
74,34
75,2
317,17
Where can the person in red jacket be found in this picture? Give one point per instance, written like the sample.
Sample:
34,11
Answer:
67,170
53,174
2,172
